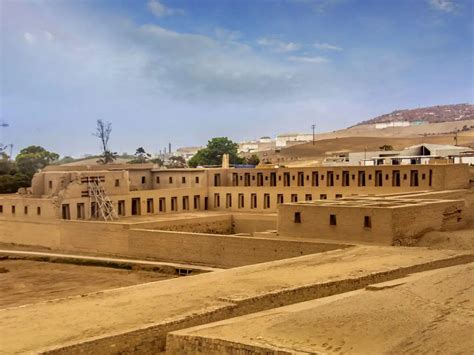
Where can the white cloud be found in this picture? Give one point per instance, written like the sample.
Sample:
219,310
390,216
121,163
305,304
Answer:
192,65
28,37
49,36
159,10
327,46
278,45
443,5
317,59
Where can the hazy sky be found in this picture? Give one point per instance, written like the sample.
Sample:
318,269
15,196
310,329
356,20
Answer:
185,71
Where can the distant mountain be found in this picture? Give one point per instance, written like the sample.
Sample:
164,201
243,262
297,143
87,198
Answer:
433,114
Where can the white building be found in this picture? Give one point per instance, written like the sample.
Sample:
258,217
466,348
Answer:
392,124
283,140
187,152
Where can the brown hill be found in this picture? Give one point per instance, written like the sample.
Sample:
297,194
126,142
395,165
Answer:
433,114
327,147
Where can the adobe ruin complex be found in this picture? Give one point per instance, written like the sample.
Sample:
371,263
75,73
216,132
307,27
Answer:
282,251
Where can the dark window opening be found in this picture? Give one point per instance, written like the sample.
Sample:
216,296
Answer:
378,178
280,198
266,201
396,178
121,208
361,181
217,180
174,204
197,202
65,211
345,178
300,179
185,203
143,179
117,182
297,217
149,205
323,197
247,179
253,201
136,207
272,179
235,179
162,204
367,222
414,178
332,220
330,179
241,201
80,211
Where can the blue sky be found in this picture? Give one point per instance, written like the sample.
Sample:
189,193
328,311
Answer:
185,71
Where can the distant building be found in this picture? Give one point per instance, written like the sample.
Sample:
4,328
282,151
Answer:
417,154
286,139
392,124
187,152
255,146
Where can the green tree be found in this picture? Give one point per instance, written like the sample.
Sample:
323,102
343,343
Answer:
176,162
253,160
33,158
215,149
11,183
157,161
141,156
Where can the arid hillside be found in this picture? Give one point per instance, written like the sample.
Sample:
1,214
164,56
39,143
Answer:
433,114
325,147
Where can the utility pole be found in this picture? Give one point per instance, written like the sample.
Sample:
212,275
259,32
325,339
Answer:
456,138
313,126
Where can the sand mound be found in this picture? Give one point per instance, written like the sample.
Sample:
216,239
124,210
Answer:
456,240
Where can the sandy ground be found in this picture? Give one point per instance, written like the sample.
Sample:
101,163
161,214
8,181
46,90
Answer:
73,320
32,281
456,240
426,313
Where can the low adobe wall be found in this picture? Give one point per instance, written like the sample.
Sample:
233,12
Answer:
217,250
120,240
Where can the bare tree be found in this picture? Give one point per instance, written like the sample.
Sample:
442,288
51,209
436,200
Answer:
102,132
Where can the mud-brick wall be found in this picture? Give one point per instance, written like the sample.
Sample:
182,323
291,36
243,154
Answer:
217,250
45,234
184,247
95,237
412,222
